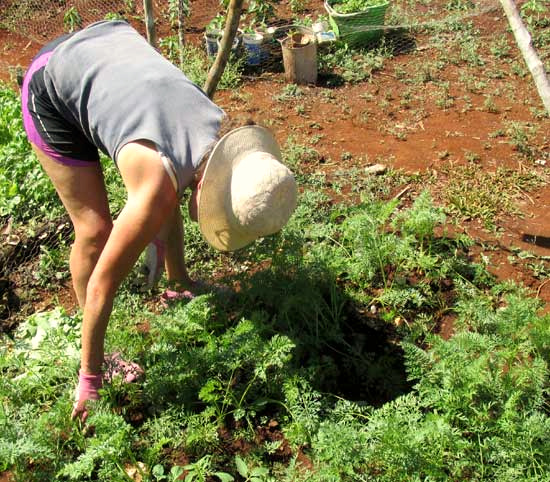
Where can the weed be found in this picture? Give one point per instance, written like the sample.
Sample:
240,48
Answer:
352,66
500,48
113,16
250,474
489,105
52,266
297,6
484,195
72,19
300,109
472,157
296,156
201,471
444,99
289,92
196,67
520,138
22,181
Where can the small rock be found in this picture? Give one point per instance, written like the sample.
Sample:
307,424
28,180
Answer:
540,162
376,169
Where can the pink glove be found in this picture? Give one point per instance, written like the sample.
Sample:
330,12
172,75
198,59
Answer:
88,385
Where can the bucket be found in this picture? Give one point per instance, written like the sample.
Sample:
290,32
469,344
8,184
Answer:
236,42
300,58
253,47
359,28
211,38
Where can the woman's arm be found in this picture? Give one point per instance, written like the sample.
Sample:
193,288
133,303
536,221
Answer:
151,200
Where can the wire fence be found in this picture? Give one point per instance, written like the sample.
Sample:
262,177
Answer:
270,37
264,27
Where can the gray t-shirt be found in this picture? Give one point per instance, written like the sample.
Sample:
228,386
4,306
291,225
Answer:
109,81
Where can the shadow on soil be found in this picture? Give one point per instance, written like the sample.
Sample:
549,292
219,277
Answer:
344,348
541,241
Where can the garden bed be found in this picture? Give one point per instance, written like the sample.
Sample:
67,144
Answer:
396,329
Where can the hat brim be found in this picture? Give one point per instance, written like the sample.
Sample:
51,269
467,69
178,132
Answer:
215,194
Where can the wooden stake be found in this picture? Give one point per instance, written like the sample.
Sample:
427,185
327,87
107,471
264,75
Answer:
150,22
231,25
181,37
524,41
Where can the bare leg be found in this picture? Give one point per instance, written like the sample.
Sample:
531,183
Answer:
82,191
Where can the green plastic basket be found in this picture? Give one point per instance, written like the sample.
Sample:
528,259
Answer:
357,29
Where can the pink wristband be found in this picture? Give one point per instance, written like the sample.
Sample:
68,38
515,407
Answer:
88,385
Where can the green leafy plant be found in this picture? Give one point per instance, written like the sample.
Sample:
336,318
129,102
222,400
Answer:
201,471
72,19
260,11
352,6
22,181
253,474
216,23
175,473
196,67
113,16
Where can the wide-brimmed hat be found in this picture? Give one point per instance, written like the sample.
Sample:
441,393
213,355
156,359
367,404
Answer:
246,192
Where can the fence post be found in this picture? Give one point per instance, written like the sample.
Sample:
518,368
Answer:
523,39
231,26
150,22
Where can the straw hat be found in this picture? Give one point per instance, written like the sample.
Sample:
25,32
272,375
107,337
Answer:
246,192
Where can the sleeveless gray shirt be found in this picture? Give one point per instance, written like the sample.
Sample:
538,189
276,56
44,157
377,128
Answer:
110,82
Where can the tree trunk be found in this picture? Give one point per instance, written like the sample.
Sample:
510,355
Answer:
523,39
231,26
182,10
150,22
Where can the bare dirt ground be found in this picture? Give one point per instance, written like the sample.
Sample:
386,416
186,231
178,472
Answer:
352,126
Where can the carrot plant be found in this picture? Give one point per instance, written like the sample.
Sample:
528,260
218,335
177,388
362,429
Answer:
327,363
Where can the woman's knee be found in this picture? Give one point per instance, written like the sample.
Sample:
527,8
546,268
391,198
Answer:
93,234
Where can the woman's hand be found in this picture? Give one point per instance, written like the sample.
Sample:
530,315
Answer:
87,389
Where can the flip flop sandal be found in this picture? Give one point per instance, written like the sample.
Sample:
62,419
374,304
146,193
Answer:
115,366
171,295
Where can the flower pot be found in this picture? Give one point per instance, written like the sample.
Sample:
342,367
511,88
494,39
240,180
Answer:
236,41
211,38
359,28
300,58
267,33
252,43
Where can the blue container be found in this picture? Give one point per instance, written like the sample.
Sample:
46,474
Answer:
211,38
255,53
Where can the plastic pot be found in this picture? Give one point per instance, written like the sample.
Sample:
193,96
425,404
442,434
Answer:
211,38
252,43
236,41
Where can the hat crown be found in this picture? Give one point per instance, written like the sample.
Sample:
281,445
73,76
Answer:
263,194
246,192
